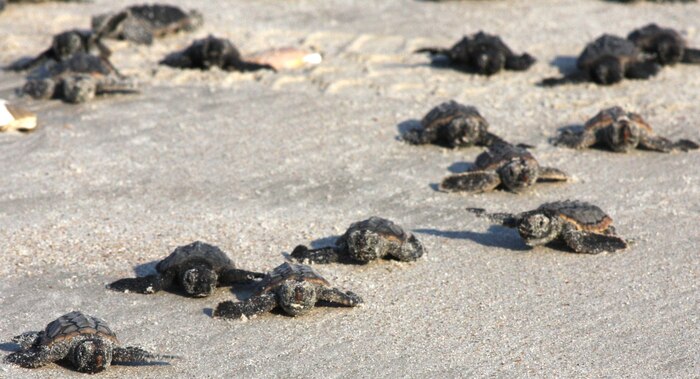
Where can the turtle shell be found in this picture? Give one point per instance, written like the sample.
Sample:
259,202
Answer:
290,272
75,324
444,113
646,38
163,19
607,45
386,228
500,154
196,251
78,63
583,215
609,116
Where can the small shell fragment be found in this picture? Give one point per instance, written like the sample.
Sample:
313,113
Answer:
286,58
14,118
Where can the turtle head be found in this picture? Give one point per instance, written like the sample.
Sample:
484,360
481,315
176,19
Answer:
608,70
464,131
91,355
539,229
489,60
623,135
297,297
519,174
66,44
199,280
668,50
214,52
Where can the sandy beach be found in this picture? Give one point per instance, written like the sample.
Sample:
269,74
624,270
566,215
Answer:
257,163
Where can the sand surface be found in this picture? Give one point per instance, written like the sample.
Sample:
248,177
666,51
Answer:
258,163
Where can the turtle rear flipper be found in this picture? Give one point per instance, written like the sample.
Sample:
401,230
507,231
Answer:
323,255
145,285
334,295
691,56
255,305
38,356
235,275
551,174
592,243
642,70
519,62
132,354
472,182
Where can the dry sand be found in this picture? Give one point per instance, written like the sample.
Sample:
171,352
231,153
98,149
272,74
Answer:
257,163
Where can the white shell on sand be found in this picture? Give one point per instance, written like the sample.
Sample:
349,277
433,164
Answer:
13,118
286,58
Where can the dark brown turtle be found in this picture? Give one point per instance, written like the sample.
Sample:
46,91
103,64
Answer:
620,131
142,23
294,287
584,227
452,124
212,52
63,46
76,79
85,342
482,53
197,268
608,60
365,241
512,167
665,44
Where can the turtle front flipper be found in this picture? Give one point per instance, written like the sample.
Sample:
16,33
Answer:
664,145
472,182
691,56
592,243
244,66
334,295
488,139
145,284
132,354
27,339
506,219
235,275
519,62
253,306
575,140
551,174
38,356
573,78
642,70
433,51
323,255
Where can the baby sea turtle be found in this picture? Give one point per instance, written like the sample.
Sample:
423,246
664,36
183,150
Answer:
212,52
197,268
142,23
483,54
85,342
665,44
294,287
512,167
621,131
63,46
452,124
584,227
608,60
365,241
77,79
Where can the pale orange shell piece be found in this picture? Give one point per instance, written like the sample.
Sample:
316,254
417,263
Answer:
286,58
14,118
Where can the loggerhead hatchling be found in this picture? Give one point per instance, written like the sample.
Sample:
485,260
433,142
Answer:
63,46
452,124
365,241
665,44
294,287
142,23
608,60
584,227
197,268
211,52
77,79
512,167
85,342
482,53
621,131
